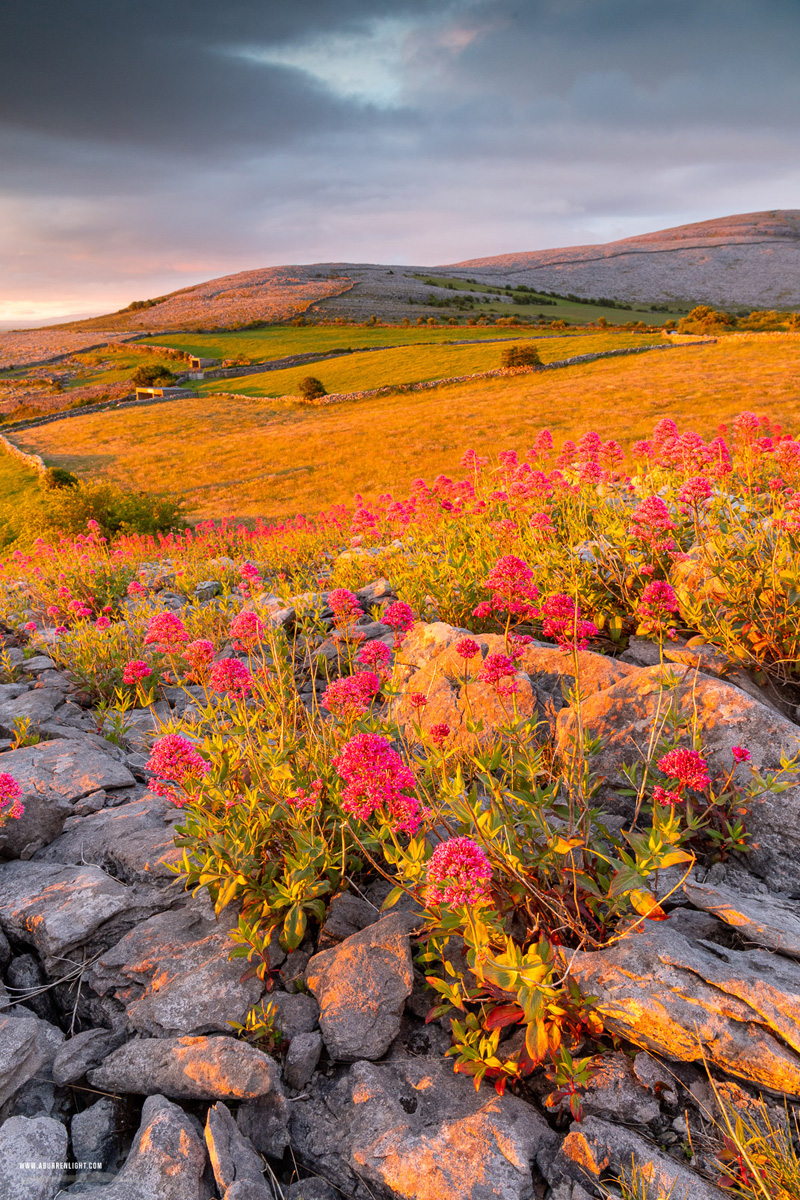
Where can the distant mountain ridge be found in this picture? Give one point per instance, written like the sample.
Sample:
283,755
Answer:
750,260
745,259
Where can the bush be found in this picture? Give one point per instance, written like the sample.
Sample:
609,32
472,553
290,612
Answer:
521,356
312,388
152,375
58,477
114,509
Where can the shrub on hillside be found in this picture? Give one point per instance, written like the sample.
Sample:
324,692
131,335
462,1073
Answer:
114,509
312,388
58,477
152,375
521,356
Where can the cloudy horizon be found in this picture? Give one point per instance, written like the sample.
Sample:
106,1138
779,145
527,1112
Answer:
148,147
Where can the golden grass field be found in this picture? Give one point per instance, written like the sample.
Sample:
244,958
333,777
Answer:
275,458
415,364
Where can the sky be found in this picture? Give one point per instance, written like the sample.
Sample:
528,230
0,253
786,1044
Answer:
146,145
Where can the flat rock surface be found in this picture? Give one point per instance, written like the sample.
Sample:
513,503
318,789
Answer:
683,1000
55,908
31,1140
765,920
623,718
417,1131
362,986
199,1068
28,1045
174,975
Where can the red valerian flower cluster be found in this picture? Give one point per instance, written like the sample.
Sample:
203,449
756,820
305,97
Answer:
399,617
231,676
466,648
458,873
498,671
695,490
651,521
177,765
351,695
687,767
11,807
376,779
167,633
513,590
658,600
562,621
247,629
376,655
135,670
740,754
198,655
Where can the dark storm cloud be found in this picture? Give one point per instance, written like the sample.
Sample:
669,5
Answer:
149,144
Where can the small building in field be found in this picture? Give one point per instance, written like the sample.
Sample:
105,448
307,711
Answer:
164,393
200,364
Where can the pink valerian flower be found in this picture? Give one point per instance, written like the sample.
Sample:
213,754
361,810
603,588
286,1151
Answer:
695,490
513,590
346,609
135,589
657,600
53,611
231,676
458,873
198,655
542,524
439,733
351,695
102,623
471,461
687,767
466,648
60,629
166,633
747,425
483,610
517,643
79,608
11,806
178,767
30,626
663,797
247,629
135,670
562,621
499,672
303,799
376,655
376,779
650,520
399,617
740,754
417,700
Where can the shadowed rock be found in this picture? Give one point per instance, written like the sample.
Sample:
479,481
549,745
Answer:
238,1170
31,1140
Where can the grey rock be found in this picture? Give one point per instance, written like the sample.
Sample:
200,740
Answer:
25,979
595,1149
55,908
198,1068
301,1059
297,1013
294,969
28,1046
89,804
5,950
312,1188
377,589
143,725
166,1162
37,706
134,840
767,921
174,975
265,1122
10,691
37,664
53,776
31,1140
78,1054
687,1000
415,1130
347,914
362,986
238,1169
615,1091
95,1134
208,589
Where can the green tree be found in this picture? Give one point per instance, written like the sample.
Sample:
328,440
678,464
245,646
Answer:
312,388
152,375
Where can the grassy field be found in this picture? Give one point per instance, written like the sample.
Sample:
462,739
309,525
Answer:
414,364
261,345
273,458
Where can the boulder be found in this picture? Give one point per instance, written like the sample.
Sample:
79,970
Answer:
686,1000
615,1091
765,920
301,1059
95,1134
596,1149
347,913
362,986
199,1068
134,841
554,670
166,1162
297,1013
174,975
53,775
36,706
31,1152
28,1046
56,908
75,1056
622,718
238,1169
25,980
415,1130
265,1122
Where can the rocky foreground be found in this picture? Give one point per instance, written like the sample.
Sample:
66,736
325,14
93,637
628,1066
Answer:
121,1077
